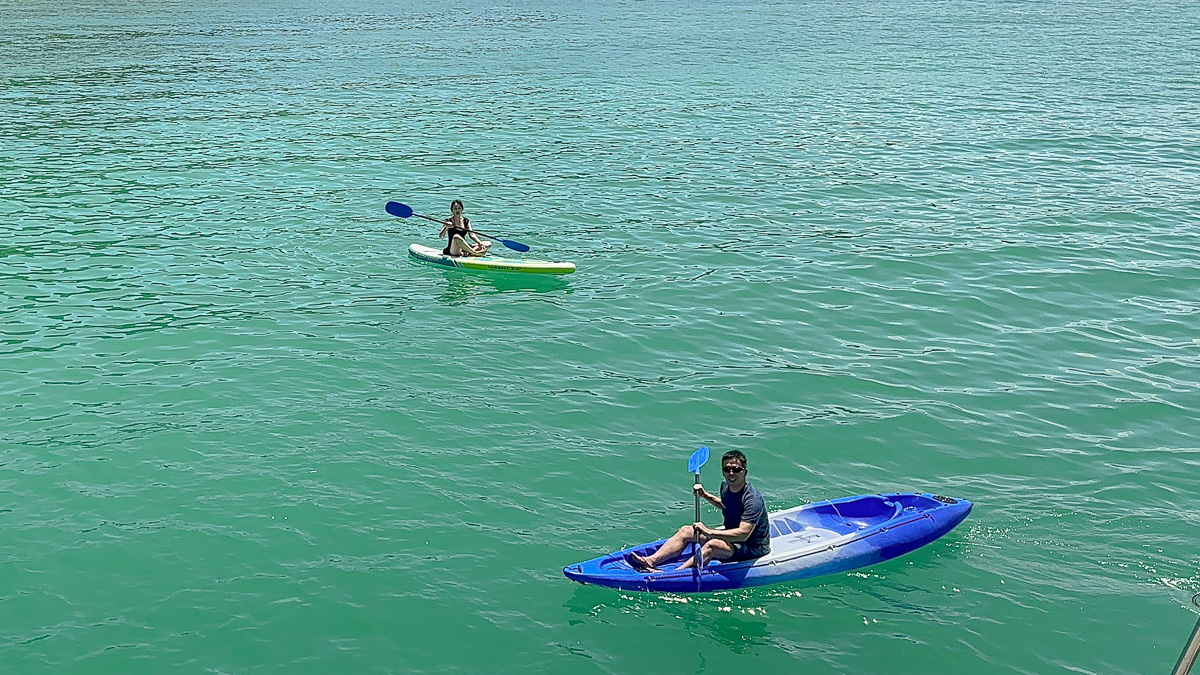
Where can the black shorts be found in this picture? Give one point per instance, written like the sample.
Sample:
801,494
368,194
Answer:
743,552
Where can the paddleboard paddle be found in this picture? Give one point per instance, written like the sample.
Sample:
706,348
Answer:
405,211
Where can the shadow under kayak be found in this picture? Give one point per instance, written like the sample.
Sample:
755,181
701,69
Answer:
806,541
435,256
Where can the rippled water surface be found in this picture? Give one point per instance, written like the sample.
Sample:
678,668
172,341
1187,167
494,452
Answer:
934,246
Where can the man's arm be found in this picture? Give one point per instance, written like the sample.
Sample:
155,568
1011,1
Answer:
735,536
709,497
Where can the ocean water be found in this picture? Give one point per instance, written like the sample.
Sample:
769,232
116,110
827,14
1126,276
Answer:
936,246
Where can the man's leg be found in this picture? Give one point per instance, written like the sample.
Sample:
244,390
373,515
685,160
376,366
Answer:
713,549
670,548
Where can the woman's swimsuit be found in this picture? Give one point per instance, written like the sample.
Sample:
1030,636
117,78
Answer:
453,231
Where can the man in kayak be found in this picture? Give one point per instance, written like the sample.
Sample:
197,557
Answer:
456,230
746,533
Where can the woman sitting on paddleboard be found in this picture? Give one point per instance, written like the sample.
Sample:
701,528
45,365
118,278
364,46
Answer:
457,229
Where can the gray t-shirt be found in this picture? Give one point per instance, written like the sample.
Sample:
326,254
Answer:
747,506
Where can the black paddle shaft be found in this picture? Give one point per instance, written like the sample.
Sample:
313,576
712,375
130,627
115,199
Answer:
514,245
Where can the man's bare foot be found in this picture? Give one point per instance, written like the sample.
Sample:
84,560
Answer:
638,563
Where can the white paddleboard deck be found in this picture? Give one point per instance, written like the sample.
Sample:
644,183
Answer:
487,262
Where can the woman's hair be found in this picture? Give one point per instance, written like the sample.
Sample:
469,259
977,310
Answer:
457,202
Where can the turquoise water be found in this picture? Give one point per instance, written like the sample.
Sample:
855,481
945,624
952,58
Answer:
932,246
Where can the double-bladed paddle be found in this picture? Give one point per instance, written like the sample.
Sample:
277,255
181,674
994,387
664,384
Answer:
404,211
696,461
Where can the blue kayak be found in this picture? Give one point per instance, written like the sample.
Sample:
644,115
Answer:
806,541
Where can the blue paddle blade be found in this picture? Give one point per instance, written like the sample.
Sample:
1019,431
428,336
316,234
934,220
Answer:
698,459
515,245
399,210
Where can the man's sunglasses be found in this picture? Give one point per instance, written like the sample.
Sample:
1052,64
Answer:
735,470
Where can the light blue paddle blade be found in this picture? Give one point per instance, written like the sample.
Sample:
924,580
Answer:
698,459
399,210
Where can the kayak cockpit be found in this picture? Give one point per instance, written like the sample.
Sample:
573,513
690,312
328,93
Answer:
834,518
